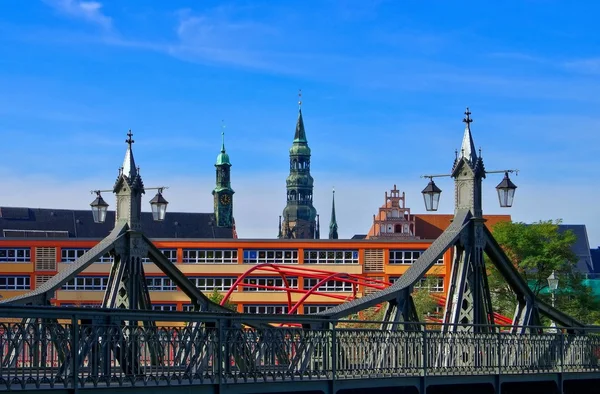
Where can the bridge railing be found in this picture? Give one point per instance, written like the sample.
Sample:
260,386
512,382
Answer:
64,347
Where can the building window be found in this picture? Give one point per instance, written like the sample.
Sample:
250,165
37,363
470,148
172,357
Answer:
332,285
408,256
312,309
209,256
160,283
266,309
164,307
70,255
188,308
91,283
270,257
170,254
331,257
210,283
269,281
434,284
15,255
15,283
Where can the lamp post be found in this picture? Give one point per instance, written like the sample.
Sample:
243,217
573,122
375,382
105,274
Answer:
468,305
158,205
553,286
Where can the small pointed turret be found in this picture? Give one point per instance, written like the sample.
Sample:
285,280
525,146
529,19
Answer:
129,189
333,227
467,149
129,167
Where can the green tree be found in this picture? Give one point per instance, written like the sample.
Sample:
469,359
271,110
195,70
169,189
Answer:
536,250
217,297
423,299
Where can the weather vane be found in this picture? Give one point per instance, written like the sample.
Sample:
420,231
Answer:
299,98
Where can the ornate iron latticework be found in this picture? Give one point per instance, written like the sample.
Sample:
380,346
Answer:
468,303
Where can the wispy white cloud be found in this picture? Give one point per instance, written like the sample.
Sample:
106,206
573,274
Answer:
587,66
89,11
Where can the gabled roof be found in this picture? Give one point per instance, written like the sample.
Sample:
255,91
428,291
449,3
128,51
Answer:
581,247
69,223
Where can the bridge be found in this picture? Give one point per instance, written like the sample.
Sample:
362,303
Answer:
125,346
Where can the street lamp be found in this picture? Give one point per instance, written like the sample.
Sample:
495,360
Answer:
99,207
431,195
553,285
159,206
506,192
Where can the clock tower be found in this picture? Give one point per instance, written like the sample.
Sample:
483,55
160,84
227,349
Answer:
299,215
223,194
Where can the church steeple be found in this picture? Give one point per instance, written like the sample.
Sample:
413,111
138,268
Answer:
468,171
333,227
223,193
129,189
299,213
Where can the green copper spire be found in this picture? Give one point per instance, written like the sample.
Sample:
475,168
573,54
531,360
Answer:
223,157
333,227
223,193
300,135
300,215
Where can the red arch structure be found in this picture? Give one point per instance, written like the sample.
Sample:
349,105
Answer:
322,276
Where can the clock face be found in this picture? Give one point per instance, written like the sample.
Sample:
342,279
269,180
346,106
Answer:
225,199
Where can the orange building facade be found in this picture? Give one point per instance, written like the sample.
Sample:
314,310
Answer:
216,264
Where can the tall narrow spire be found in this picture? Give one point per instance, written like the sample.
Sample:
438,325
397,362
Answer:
129,167
299,213
467,149
333,227
300,135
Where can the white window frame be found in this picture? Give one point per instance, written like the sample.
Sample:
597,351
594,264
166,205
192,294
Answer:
267,309
210,256
408,256
160,283
313,309
330,256
86,283
14,282
336,286
210,283
20,255
271,256
276,281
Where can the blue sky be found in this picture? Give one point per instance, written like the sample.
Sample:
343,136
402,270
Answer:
384,83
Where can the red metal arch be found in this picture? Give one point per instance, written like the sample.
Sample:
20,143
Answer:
286,271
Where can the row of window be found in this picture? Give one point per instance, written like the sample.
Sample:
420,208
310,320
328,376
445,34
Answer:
434,284
15,283
204,256
331,256
70,255
210,256
408,256
161,283
15,255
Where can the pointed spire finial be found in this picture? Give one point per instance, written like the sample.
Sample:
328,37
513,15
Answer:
467,118
222,136
468,147
333,226
299,99
129,140
129,168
